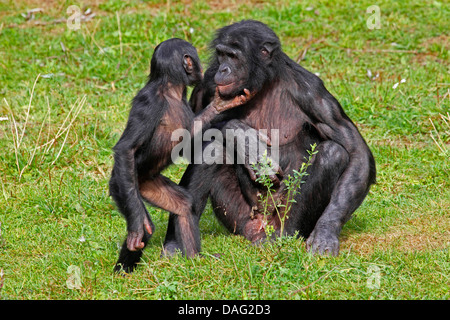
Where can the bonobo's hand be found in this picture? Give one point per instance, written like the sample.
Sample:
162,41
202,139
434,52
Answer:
134,238
323,241
275,174
222,105
268,166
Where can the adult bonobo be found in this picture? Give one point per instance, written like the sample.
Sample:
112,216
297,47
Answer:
291,99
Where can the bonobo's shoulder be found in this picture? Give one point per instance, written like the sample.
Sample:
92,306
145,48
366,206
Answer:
304,81
302,75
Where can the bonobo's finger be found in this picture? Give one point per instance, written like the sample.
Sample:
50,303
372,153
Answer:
134,241
243,98
275,180
250,171
248,94
147,226
130,244
264,138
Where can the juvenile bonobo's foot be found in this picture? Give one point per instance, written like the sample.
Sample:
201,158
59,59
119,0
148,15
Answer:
128,260
135,238
222,105
323,242
132,247
170,249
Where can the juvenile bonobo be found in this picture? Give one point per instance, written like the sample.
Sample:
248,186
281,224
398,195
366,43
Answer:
145,146
293,102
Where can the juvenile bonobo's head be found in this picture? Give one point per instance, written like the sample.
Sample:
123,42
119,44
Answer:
245,57
176,61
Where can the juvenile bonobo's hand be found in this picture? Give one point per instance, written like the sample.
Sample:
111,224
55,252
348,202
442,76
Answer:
222,105
134,238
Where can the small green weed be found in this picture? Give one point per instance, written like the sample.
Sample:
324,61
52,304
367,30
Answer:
292,183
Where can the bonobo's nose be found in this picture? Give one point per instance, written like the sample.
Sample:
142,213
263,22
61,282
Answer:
224,71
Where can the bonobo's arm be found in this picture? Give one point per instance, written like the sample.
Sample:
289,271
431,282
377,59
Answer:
329,118
215,111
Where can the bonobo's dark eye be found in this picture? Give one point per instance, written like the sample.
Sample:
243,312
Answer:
231,55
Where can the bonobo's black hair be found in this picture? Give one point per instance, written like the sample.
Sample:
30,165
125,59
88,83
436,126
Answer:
167,61
254,32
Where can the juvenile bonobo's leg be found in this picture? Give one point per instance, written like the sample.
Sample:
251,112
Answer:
326,168
130,204
139,224
197,179
165,194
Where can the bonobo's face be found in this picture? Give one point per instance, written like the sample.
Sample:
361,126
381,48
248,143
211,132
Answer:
244,55
233,72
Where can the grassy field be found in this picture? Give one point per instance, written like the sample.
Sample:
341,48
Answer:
64,100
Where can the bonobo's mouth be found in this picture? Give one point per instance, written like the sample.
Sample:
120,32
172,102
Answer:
229,89
226,89
225,86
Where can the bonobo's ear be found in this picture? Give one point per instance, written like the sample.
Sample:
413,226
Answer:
267,49
188,64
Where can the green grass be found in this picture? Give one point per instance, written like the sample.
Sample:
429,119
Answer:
55,211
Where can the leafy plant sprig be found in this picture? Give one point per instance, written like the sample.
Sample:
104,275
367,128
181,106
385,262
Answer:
263,169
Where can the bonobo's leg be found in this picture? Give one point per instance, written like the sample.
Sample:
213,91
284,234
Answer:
165,194
327,166
197,180
232,208
140,226
248,147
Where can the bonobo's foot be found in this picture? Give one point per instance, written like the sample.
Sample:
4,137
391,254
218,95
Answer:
323,241
128,260
170,249
132,247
